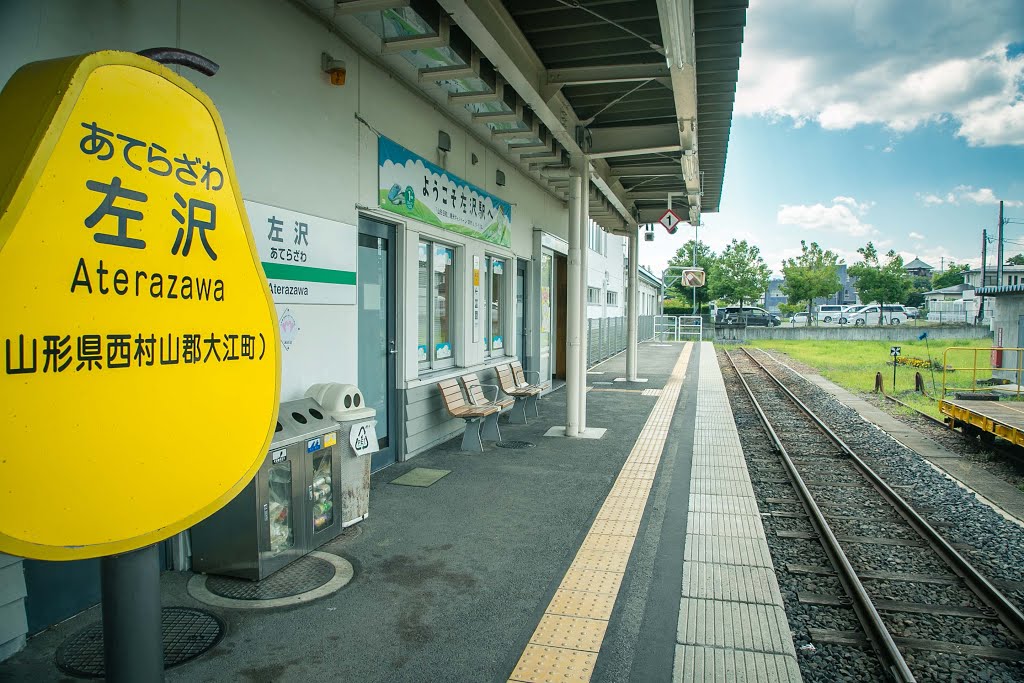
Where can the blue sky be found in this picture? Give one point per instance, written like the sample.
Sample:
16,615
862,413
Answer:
856,120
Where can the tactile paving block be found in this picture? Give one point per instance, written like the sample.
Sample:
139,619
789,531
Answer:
575,633
620,514
607,543
629,487
592,581
541,664
601,561
582,604
615,528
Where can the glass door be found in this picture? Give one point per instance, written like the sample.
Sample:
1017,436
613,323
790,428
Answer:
376,349
521,308
546,312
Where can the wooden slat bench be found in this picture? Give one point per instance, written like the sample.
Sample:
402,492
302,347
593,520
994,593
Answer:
455,404
525,394
475,392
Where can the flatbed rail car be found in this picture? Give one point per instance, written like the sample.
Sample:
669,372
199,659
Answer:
995,379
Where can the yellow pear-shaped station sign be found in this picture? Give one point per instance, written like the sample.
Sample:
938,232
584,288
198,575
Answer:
140,387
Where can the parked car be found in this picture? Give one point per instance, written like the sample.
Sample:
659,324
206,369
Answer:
752,316
844,317
873,314
830,313
912,312
800,318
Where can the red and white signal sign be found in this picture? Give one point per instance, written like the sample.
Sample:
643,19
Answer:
671,221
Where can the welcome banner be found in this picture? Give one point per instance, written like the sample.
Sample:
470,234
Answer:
413,187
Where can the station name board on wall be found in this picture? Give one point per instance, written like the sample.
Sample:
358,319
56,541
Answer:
413,187
307,259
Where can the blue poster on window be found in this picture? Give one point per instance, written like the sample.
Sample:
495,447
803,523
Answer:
413,187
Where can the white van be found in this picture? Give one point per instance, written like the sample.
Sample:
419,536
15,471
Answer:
873,314
830,313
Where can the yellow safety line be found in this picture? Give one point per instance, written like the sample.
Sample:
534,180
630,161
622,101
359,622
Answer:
565,644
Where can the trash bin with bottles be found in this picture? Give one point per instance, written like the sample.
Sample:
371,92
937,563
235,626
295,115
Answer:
357,442
291,507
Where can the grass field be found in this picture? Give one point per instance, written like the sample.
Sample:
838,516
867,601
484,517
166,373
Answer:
853,364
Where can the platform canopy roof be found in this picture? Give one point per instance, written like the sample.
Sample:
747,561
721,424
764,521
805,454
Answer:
646,87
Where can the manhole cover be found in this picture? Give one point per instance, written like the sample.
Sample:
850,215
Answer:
517,445
187,633
303,575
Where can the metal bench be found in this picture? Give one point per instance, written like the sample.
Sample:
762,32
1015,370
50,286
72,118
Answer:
525,394
455,404
475,392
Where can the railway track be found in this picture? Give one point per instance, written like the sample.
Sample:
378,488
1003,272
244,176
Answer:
915,595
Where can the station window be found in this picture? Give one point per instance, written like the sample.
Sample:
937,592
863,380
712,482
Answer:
596,239
593,295
494,338
612,298
435,348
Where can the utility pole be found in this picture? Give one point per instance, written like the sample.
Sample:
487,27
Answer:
984,257
999,248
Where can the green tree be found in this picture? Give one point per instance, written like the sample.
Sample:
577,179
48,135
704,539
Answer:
812,274
884,281
954,275
789,310
740,274
706,259
1015,260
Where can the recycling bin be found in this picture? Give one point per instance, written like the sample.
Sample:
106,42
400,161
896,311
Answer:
357,441
291,507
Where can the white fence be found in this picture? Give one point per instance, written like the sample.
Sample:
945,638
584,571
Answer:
957,311
678,327
607,336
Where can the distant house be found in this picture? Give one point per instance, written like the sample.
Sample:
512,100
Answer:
845,295
951,293
918,268
1012,275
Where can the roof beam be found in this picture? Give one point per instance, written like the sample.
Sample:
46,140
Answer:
555,79
621,141
677,29
496,34
646,170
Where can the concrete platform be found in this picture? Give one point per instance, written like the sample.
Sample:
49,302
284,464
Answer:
636,557
732,625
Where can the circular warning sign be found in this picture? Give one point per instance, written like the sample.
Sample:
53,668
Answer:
141,373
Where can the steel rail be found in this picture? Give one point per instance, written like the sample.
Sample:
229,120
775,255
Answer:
878,634
1006,611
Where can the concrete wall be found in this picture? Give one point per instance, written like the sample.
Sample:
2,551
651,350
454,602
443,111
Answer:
1006,314
896,333
13,623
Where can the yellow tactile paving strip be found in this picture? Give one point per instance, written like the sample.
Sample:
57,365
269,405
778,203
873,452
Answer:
565,644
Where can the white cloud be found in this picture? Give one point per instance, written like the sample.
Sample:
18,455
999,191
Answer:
898,64
842,216
916,236
966,193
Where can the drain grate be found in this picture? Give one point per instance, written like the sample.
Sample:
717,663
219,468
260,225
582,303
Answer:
187,633
303,575
515,445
